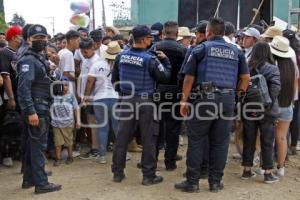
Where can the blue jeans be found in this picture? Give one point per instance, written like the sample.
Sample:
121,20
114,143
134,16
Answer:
103,109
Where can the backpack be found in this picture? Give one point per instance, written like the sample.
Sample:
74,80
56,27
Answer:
258,91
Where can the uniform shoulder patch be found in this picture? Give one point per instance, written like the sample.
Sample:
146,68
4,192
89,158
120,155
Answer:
161,67
25,68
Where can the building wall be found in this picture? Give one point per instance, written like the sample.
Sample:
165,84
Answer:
151,11
281,8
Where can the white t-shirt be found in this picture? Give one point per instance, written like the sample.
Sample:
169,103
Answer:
78,56
86,66
103,86
101,50
66,64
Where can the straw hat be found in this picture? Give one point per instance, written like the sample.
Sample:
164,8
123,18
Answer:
183,32
280,46
113,49
272,31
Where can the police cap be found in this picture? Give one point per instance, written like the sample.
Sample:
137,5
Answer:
141,31
36,30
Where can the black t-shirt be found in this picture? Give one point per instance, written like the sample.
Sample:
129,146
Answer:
8,62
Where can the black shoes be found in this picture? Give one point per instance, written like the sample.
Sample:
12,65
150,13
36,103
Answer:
270,178
178,157
27,185
171,167
50,187
152,181
185,186
247,175
216,187
119,178
139,165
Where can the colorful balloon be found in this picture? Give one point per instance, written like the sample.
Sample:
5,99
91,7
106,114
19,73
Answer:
80,20
80,6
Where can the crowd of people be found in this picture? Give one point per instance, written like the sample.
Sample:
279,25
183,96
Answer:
141,92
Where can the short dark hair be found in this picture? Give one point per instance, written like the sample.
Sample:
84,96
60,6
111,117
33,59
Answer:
171,28
229,28
25,31
216,26
72,34
60,37
96,35
53,47
86,43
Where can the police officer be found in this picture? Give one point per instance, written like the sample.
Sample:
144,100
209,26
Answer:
170,127
200,31
34,99
214,67
137,72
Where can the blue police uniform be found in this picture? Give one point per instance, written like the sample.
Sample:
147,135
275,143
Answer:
34,97
220,64
142,70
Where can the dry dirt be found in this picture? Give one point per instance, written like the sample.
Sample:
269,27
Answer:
88,180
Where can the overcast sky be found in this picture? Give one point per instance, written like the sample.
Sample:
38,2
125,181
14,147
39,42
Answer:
40,11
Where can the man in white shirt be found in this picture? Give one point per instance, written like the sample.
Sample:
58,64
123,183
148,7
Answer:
251,36
97,37
66,63
90,59
99,48
229,34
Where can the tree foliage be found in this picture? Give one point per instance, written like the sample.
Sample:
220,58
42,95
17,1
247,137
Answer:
17,20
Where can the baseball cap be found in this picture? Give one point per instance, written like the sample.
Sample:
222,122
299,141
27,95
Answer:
272,31
37,29
289,34
12,32
157,28
141,31
252,32
82,29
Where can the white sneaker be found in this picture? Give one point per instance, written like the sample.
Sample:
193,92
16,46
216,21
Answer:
279,172
75,154
7,162
128,156
102,160
181,141
259,171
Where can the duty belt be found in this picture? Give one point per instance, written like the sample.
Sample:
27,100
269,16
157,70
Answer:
213,89
41,101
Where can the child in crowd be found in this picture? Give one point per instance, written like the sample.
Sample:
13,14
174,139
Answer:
62,112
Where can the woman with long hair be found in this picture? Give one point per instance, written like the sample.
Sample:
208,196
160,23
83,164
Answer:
283,53
261,61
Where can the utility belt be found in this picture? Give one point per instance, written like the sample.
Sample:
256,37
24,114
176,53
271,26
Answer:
41,101
209,88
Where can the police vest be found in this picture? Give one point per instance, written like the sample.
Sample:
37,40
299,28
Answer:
219,65
41,85
134,73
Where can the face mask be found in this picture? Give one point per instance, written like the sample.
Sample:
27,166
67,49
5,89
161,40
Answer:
39,45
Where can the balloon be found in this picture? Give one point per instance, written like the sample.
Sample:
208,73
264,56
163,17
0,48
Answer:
81,20
80,6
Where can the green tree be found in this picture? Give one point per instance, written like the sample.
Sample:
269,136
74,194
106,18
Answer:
17,20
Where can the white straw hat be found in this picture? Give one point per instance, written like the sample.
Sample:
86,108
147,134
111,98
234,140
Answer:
280,46
113,49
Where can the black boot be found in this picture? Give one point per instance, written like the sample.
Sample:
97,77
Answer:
50,187
216,187
186,186
152,181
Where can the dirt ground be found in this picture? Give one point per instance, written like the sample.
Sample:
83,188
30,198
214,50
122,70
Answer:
88,180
